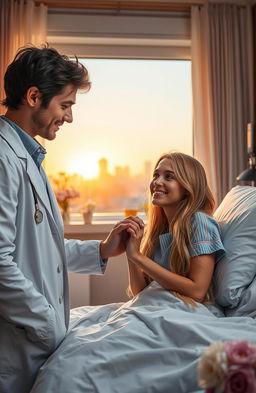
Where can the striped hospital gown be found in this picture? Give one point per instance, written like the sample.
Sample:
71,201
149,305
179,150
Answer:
205,240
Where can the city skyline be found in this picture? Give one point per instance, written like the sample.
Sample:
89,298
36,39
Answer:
109,191
117,170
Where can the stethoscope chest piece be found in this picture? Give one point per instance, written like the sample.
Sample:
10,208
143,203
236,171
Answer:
38,213
38,216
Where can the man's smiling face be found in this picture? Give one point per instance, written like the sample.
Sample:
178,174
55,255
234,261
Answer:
47,121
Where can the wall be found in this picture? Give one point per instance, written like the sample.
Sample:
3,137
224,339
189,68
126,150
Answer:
95,290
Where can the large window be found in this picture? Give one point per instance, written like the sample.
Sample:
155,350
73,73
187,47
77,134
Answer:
135,111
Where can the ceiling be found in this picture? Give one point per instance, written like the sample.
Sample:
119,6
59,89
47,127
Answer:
134,4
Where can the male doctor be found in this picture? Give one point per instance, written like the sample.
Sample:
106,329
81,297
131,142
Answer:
41,87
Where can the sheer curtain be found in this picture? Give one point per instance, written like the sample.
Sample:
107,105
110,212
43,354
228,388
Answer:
222,80
21,23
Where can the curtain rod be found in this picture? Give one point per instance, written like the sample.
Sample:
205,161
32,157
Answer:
115,5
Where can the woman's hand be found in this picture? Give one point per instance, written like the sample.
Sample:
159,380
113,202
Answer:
133,243
116,242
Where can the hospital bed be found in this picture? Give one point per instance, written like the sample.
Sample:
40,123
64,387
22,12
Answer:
152,343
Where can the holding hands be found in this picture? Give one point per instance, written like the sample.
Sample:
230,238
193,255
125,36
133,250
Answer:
134,240
126,236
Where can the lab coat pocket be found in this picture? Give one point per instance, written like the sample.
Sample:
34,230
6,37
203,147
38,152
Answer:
8,351
55,331
20,359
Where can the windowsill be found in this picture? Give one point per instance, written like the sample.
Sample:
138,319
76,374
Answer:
96,227
102,223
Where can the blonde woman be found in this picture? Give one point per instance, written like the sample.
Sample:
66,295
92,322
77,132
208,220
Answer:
182,240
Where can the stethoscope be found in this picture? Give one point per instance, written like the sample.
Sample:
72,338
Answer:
38,216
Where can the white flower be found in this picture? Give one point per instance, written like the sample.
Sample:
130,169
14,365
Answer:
90,206
213,367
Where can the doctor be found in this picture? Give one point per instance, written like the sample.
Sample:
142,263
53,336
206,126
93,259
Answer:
41,87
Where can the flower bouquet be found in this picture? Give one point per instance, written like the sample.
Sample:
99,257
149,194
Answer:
63,198
64,195
228,367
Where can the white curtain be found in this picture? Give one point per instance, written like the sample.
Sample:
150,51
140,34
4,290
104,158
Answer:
21,23
222,81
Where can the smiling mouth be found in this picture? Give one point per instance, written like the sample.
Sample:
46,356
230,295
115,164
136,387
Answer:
159,193
58,124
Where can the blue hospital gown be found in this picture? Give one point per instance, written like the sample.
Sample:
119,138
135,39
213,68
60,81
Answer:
205,240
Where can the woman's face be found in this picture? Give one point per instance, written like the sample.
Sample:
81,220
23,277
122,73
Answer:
165,190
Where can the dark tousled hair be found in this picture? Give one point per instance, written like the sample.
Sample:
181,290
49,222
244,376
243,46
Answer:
45,69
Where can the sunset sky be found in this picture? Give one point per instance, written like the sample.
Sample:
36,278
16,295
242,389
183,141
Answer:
135,111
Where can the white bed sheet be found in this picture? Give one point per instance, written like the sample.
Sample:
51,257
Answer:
150,344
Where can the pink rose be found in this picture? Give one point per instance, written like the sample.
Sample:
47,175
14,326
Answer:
69,193
61,195
76,194
241,381
240,353
72,194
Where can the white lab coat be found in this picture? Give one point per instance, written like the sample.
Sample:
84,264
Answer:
34,259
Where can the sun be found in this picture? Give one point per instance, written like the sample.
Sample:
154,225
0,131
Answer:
85,165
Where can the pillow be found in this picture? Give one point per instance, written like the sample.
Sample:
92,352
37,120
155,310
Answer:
235,272
247,304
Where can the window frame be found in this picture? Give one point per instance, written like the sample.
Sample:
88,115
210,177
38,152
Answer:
74,32
120,34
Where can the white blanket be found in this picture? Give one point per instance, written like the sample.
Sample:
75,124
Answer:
150,344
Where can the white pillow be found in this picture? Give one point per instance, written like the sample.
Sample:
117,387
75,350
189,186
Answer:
234,273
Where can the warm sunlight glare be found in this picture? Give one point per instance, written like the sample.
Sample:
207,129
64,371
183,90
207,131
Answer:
85,165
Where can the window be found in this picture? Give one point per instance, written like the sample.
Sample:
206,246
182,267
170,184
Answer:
139,105
135,111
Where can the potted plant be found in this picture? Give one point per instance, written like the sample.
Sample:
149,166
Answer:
88,212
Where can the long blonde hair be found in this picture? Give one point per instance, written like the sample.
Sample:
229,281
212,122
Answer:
191,176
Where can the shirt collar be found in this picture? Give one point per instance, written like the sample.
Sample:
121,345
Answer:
33,147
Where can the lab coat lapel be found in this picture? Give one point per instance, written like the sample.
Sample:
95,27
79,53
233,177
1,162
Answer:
37,181
47,198
12,138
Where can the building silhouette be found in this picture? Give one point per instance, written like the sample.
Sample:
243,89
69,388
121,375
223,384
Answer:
103,168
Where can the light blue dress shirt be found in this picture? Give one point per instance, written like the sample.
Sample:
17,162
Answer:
34,148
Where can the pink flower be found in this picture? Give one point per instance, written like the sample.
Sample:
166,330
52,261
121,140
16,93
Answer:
240,353
61,195
75,194
241,381
72,193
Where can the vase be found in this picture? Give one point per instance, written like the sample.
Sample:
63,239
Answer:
65,217
88,217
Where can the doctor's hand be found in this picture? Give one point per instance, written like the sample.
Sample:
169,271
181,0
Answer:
116,242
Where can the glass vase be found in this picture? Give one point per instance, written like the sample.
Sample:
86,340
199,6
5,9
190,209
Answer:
65,216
